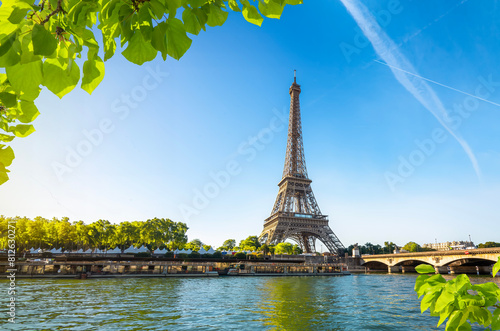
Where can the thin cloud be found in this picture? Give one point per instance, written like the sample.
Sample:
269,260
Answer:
418,87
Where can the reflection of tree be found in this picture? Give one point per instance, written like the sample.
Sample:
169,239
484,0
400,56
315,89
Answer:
294,303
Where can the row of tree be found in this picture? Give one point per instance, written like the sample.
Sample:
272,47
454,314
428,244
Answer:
61,233
411,246
251,244
388,248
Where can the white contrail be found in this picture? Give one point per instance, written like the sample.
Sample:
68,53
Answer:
437,83
418,87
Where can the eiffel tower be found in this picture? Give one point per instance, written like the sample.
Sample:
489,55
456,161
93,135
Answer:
296,214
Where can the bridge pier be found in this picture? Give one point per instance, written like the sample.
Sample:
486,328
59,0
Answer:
469,270
393,269
441,270
407,268
484,270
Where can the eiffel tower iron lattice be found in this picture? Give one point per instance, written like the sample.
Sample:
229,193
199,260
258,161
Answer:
296,214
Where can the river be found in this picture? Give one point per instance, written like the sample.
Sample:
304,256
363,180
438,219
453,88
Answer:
357,302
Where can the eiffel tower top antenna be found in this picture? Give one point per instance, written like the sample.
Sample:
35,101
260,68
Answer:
295,76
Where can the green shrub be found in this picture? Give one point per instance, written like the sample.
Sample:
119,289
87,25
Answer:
240,256
169,254
217,255
142,254
194,255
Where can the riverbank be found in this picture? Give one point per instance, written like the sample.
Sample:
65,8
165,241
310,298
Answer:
104,268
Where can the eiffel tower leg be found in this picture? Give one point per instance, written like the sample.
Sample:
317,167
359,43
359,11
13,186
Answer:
307,243
331,242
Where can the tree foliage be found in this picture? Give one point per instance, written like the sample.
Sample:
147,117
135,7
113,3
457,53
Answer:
42,44
369,248
61,233
458,301
488,244
194,245
228,245
412,247
251,243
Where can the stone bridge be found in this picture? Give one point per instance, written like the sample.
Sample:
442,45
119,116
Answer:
474,261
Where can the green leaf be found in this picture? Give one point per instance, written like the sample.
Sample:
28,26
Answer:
496,267
429,299
294,2
138,50
93,73
158,8
60,76
459,284
159,39
191,21
234,6
271,8
28,111
445,299
445,314
479,315
216,16
22,130
197,3
44,43
10,49
145,23
3,174
26,78
8,99
454,320
6,138
425,269
177,40
19,11
420,282
495,322
6,156
251,14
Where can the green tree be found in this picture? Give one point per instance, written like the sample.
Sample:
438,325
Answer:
296,250
488,244
228,245
194,245
82,238
251,243
389,247
412,247
42,44
284,248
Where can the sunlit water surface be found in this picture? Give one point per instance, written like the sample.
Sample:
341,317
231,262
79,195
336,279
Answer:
358,302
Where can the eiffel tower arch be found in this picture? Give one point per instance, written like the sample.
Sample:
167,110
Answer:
296,214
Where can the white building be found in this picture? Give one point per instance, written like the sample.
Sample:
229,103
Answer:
449,245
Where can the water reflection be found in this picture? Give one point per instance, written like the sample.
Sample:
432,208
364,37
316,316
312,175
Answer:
296,303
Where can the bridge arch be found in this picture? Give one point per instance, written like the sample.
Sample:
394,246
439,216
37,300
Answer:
470,261
376,265
413,262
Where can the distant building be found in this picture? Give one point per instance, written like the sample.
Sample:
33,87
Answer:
450,245
355,251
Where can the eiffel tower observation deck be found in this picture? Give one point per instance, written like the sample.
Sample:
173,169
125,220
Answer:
296,214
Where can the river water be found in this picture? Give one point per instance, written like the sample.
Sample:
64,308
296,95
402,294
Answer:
357,302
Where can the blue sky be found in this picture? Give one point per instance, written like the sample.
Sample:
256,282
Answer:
187,122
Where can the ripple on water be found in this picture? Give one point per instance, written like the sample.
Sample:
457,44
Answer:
358,302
